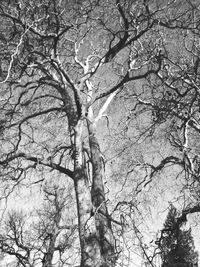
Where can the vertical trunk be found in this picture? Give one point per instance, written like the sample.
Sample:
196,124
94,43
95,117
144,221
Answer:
89,242
50,240
90,249
47,260
103,224
96,237
91,252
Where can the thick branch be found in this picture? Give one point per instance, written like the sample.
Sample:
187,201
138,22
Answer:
38,161
183,218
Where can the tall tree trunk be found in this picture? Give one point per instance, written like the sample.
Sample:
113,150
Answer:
47,260
96,237
102,221
89,242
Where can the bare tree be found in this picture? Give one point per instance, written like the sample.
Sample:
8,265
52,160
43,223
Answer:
42,238
62,64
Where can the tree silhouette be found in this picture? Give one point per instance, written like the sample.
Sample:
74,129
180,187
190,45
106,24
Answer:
176,245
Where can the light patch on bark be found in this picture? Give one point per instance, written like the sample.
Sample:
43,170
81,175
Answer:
105,106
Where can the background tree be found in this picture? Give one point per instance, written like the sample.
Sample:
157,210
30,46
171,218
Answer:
44,238
176,245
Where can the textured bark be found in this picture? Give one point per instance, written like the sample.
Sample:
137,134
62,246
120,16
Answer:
90,247
103,224
96,238
48,257
47,260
